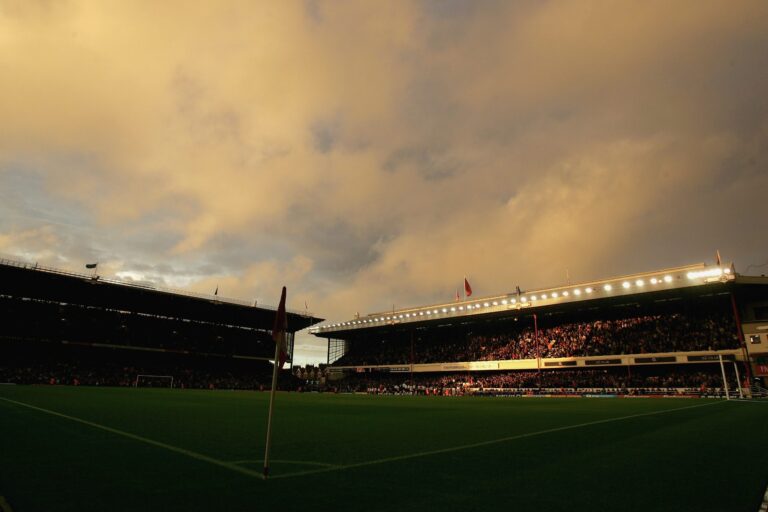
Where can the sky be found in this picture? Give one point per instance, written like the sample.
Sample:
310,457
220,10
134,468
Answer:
371,154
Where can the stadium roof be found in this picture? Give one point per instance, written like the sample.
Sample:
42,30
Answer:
671,281
24,280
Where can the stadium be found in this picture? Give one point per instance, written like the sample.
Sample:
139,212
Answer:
125,396
81,329
662,332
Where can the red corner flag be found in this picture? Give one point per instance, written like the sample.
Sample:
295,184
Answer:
281,351
278,333
467,288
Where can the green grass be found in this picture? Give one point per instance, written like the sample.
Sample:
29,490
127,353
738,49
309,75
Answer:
340,452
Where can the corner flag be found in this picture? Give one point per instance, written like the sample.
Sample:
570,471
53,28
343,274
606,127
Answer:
281,353
278,333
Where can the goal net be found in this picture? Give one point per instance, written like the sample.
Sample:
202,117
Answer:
153,381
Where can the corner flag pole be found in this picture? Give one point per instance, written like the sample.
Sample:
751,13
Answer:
278,333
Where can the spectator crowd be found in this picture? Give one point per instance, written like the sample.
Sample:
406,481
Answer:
644,334
701,379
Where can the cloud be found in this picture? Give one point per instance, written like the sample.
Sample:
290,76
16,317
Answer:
370,154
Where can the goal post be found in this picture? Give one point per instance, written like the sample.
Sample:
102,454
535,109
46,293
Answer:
153,380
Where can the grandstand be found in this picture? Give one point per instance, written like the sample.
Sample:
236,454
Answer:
62,327
684,330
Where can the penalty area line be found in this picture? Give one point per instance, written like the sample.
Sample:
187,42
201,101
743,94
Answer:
480,444
152,442
284,461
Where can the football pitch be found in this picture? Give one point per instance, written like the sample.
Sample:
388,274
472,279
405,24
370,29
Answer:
120,449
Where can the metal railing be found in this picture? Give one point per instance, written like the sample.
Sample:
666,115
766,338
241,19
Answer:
758,391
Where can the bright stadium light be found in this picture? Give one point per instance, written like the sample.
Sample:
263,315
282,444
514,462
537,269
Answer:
486,305
577,292
453,309
504,302
667,279
565,293
523,299
534,297
445,310
715,272
461,308
640,283
654,280
726,271
607,287
495,303
625,285
512,301
555,295
588,289
435,311
543,296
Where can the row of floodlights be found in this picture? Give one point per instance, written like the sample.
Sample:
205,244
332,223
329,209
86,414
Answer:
639,283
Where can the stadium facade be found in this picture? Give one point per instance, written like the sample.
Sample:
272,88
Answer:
75,328
670,320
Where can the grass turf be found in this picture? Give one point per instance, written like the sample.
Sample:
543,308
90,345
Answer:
181,450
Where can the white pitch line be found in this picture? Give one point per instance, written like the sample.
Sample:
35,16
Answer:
188,453
764,505
283,461
484,443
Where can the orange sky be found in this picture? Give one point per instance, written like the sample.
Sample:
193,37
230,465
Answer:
373,153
